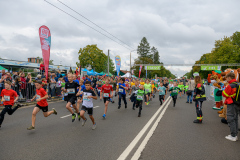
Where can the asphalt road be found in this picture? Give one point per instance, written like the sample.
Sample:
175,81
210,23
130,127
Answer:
175,137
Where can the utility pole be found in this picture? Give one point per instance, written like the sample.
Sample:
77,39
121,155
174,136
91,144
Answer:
108,62
130,65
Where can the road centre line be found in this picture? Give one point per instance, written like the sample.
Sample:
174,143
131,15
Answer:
130,147
137,154
71,114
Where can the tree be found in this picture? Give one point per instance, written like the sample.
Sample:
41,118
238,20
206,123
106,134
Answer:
92,56
111,65
155,54
143,50
41,59
226,50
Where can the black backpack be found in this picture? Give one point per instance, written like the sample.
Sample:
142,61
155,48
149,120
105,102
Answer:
236,100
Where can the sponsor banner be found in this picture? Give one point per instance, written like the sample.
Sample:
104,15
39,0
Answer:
140,70
118,64
210,68
152,67
45,41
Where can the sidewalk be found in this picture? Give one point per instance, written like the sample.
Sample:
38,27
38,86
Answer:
177,137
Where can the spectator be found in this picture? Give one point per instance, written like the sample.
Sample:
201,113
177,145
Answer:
59,86
190,89
17,85
15,74
53,85
42,69
2,77
23,85
38,78
29,86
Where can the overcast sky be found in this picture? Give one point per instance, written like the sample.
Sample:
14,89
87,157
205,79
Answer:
181,30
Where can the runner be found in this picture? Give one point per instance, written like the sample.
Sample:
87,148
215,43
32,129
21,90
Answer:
114,85
8,100
82,87
148,91
41,96
139,99
174,92
71,89
87,105
105,93
121,92
162,91
133,97
165,84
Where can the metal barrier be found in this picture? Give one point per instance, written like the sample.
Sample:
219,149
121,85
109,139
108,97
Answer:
26,91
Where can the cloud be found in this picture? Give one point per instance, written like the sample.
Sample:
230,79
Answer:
181,31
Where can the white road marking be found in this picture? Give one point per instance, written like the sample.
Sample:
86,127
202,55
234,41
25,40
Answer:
71,114
130,147
137,154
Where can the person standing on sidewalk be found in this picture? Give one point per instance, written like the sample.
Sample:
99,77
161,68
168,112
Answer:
191,85
199,98
232,109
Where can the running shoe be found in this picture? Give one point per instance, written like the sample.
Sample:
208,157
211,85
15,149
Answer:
73,117
139,114
54,111
119,107
104,116
84,121
19,105
31,128
147,103
125,106
163,100
112,101
94,126
79,117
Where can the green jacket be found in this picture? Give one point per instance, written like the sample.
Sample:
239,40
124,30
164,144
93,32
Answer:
174,90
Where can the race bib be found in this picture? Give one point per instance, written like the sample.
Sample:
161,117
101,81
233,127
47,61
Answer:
140,97
106,94
160,90
71,91
120,90
99,90
174,91
65,94
147,90
85,98
38,97
7,98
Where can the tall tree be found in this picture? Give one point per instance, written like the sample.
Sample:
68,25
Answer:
143,49
155,54
92,56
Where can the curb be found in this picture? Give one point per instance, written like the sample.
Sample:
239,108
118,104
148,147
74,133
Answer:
33,103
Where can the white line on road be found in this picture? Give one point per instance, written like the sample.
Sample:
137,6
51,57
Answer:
130,147
71,114
137,154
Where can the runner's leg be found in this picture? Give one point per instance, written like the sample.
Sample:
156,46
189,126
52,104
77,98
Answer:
34,113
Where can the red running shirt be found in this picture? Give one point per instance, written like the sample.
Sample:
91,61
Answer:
9,96
41,93
106,89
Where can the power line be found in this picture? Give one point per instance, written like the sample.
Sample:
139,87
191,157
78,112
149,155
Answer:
93,23
86,24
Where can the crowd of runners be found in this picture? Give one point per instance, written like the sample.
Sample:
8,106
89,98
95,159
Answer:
80,93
